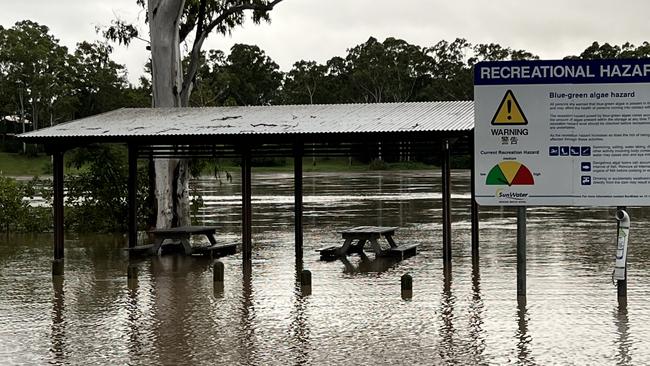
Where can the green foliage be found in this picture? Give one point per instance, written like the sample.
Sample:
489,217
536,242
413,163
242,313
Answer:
606,51
306,83
393,71
96,196
385,72
212,15
100,81
42,84
15,212
245,77
377,164
35,73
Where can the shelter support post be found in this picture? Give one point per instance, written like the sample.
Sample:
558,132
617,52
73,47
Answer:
131,199
521,252
446,204
247,244
297,182
57,165
474,216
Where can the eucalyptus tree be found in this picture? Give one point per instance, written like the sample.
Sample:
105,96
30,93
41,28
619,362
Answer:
171,23
305,83
208,88
35,73
246,76
606,51
250,77
388,71
101,82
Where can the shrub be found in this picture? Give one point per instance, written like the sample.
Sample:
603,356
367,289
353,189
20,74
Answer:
15,212
96,195
377,164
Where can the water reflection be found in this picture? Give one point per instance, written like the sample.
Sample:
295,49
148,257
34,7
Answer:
365,264
623,342
58,331
133,317
299,328
177,305
447,332
476,307
523,338
248,341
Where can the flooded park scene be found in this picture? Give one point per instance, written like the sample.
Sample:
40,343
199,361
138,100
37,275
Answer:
284,182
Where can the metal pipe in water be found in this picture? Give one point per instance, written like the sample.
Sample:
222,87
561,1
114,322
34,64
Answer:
621,245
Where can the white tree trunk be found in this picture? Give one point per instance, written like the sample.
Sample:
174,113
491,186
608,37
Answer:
172,190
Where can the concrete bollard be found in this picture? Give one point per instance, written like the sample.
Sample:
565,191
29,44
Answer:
57,267
407,286
218,272
132,272
305,282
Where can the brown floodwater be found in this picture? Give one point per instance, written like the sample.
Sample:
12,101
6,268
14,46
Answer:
173,314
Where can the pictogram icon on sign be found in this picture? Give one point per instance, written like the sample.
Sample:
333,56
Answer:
509,111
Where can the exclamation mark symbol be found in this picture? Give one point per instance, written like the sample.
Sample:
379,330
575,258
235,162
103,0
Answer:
509,106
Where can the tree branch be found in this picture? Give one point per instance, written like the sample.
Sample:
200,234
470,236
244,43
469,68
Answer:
203,34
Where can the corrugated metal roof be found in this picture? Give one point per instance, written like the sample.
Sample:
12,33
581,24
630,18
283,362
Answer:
284,119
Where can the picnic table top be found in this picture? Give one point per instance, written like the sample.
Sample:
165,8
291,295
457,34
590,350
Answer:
369,230
186,230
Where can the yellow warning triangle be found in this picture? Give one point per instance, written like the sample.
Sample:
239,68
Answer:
509,112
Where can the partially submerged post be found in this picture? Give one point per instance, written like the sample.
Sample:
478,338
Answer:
305,282
521,252
218,272
620,270
57,176
247,245
131,199
132,272
406,284
57,267
446,205
474,209
297,183
218,278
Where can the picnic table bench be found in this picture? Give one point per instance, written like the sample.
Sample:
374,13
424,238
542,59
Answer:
368,234
181,236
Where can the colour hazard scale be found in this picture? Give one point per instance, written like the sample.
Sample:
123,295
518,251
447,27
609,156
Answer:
510,173
509,111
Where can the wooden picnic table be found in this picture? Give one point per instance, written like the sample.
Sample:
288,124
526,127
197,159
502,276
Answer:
182,235
369,234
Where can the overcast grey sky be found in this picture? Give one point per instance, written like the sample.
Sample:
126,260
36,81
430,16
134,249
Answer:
320,29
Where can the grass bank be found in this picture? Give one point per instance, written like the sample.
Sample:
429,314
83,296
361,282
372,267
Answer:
21,165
